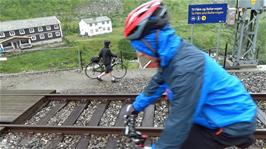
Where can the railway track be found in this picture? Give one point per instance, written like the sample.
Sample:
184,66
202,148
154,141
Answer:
90,121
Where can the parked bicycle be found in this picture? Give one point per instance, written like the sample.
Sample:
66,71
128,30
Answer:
96,67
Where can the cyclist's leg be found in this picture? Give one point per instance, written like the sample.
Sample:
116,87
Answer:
201,138
99,77
204,138
108,71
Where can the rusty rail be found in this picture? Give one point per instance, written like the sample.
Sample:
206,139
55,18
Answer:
259,96
81,130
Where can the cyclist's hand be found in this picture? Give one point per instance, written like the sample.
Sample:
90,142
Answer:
130,111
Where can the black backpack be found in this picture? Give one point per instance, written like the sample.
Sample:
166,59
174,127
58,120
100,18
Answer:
95,59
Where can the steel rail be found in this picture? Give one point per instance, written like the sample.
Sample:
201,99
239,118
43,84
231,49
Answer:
84,130
78,130
257,96
68,97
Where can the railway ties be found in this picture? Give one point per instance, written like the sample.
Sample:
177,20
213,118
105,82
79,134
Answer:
88,121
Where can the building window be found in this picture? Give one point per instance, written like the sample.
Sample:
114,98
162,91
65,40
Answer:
108,28
8,44
33,37
11,33
103,28
90,24
50,35
24,41
31,30
48,28
40,29
96,30
103,22
107,22
21,31
2,34
56,26
57,34
42,36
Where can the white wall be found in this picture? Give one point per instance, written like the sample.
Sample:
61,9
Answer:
82,27
93,29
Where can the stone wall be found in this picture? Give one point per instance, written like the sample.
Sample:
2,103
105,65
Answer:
100,8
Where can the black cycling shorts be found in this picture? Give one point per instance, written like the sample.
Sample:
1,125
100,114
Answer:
204,138
108,68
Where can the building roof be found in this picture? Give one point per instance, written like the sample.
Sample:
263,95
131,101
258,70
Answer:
28,23
98,19
13,38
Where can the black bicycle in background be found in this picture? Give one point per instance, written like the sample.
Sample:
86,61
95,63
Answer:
96,67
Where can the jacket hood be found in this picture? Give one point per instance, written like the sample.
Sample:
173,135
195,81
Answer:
168,43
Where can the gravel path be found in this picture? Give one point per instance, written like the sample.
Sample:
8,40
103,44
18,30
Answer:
74,82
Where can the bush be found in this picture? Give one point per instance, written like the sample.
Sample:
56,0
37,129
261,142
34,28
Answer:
126,49
70,28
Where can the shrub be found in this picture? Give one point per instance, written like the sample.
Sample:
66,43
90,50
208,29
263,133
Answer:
126,49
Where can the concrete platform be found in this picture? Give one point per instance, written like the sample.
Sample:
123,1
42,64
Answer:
15,102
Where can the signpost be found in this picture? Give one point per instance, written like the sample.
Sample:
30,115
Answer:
207,13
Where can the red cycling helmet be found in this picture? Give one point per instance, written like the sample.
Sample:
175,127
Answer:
148,16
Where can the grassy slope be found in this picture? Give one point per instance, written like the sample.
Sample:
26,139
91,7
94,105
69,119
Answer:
204,36
40,60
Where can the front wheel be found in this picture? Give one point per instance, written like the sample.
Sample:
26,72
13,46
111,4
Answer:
92,70
119,71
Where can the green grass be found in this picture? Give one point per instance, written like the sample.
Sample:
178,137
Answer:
66,10
40,60
132,65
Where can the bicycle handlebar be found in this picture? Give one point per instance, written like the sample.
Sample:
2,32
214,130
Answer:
130,130
116,60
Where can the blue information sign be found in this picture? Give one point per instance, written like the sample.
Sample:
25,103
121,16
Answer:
207,13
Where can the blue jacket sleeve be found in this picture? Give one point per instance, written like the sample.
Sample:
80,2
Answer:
186,88
152,93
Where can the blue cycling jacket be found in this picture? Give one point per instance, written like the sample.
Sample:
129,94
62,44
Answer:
202,91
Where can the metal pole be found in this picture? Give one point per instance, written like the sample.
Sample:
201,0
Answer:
80,60
192,34
225,53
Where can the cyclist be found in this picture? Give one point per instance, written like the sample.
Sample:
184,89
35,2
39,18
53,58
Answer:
209,108
106,55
